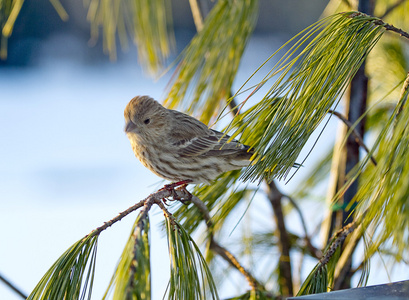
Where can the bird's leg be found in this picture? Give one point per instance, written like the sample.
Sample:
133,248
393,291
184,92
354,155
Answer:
173,185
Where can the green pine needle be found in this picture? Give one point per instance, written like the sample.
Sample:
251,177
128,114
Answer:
132,279
279,125
384,193
321,278
190,277
9,11
71,276
208,65
145,20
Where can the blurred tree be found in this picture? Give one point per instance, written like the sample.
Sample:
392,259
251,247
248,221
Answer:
353,54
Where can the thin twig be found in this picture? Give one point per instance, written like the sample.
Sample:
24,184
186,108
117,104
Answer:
13,287
358,137
394,29
391,8
152,198
220,250
314,251
232,260
381,23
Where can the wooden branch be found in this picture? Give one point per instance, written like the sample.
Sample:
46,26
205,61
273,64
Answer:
13,287
393,28
147,202
275,196
223,252
339,238
358,137
379,22
317,253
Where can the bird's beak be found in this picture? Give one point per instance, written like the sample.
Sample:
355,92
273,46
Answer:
129,127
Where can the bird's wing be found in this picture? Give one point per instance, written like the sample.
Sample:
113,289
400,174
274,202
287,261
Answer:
211,144
193,138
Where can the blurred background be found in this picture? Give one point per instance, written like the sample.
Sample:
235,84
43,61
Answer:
66,165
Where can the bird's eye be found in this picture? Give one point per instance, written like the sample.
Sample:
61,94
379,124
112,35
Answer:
147,121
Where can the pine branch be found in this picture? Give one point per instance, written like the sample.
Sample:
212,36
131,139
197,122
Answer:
338,239
392,28
320,277
13,287
345,261
132,275
379,22
147,202
279,218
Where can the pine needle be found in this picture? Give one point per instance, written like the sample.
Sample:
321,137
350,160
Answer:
72,275
132,279
279,125
384,193
208,65
190,277
146,21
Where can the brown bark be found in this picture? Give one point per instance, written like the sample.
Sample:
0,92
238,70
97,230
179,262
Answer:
285,280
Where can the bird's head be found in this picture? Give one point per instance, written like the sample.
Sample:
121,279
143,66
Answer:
145,118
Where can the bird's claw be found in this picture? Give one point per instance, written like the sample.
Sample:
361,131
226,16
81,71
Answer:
180,186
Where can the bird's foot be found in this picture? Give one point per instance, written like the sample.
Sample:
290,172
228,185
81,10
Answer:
180,186
189,195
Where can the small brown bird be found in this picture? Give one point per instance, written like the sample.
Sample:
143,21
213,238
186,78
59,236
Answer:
177,147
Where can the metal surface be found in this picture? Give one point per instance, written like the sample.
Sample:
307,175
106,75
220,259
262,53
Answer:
394,291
